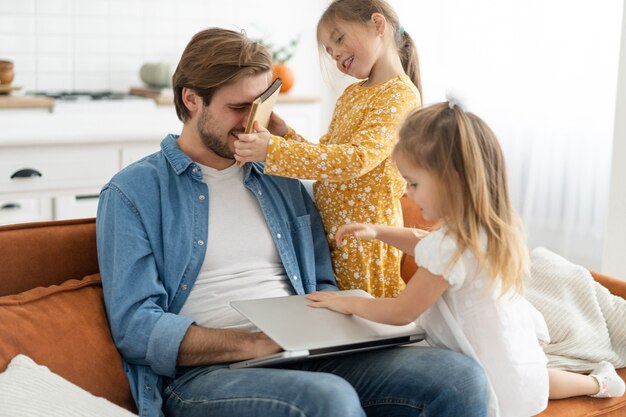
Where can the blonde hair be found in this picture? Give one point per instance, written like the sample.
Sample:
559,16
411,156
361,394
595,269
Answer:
213,58
361,11
463,155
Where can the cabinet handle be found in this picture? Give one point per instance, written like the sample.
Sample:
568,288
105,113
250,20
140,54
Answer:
26,173
87,197
11,206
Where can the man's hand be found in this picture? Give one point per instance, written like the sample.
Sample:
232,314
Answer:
331,301
277,126
265,346
202,346
252,147
359,230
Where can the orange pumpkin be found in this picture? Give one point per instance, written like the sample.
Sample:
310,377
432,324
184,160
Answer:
282,71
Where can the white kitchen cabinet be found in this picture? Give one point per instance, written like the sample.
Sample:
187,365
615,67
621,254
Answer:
26,170
25,210
86,205
64,179
75,206
53,165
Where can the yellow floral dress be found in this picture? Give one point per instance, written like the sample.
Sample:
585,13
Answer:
356,181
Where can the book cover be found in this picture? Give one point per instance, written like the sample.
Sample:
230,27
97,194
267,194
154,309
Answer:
261,109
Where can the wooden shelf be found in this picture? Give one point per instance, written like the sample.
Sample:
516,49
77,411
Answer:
23,102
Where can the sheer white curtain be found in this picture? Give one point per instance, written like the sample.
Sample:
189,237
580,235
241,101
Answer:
543,75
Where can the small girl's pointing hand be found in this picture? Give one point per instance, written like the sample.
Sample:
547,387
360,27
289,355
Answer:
252,147
359,230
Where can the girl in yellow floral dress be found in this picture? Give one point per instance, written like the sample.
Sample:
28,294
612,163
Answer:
356,181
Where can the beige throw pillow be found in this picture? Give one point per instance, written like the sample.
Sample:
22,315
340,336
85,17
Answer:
31,390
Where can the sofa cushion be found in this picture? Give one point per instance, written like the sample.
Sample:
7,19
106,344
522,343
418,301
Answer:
64,327
31,390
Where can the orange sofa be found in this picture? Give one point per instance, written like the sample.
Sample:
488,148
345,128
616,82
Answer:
51,310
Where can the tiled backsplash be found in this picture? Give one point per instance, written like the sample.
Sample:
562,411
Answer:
101,44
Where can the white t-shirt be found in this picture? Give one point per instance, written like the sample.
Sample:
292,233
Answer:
501,334
241,260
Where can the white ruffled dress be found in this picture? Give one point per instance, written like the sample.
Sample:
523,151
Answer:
502,334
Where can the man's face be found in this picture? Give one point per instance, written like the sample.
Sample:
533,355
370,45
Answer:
227,113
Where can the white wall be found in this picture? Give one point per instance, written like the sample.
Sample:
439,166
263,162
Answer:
101,44
614,259
543,75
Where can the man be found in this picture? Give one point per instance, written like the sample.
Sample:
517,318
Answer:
185,230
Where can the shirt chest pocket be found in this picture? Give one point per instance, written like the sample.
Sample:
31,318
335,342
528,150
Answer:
300,229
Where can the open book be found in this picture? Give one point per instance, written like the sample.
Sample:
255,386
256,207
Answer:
262,106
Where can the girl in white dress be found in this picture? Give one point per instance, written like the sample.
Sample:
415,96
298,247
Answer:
467,293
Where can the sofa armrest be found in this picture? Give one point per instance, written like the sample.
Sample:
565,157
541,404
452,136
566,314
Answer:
615,285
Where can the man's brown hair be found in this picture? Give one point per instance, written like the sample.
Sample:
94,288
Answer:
213,58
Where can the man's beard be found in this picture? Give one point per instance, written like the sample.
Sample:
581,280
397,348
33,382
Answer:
211,140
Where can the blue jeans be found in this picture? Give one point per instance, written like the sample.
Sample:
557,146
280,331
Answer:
393,382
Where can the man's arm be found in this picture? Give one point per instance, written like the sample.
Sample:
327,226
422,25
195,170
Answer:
135,298
202,346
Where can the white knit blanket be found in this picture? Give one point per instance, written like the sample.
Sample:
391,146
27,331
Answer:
587,323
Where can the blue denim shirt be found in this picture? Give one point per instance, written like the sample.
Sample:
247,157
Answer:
152,225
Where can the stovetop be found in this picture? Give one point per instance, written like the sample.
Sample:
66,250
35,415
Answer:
75,95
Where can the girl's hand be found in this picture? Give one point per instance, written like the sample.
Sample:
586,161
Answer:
252,147
331,301
358,230
277,126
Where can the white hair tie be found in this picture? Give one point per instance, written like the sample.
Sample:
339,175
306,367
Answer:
454,100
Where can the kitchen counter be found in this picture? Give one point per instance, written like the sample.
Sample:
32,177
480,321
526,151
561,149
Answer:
118,121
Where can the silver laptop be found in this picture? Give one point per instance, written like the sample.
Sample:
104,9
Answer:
307,333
